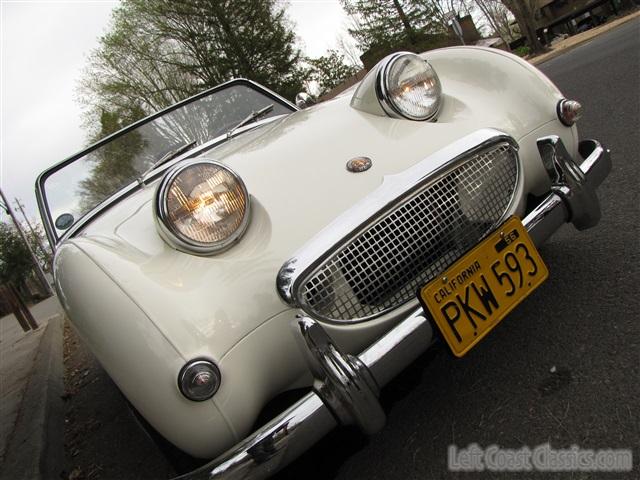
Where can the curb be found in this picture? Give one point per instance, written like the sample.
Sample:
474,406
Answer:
594,34
36,450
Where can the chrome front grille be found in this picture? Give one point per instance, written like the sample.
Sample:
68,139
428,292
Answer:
383,265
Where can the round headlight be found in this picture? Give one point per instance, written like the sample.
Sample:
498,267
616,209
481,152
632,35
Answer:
199,380
408,87
202,206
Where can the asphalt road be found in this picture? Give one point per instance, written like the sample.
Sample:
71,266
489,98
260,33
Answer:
583,324
563,368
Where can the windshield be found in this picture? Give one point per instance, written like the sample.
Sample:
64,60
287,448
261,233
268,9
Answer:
74,187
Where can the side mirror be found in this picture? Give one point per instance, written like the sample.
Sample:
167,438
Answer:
304,100
64,221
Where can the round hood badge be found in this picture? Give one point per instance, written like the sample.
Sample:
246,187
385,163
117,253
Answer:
359,164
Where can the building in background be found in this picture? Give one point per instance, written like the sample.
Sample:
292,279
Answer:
558,17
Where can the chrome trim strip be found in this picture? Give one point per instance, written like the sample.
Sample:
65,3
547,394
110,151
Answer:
405,342
172,235
393,189
546,218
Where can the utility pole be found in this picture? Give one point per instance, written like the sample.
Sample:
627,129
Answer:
36,263
457,28
33,231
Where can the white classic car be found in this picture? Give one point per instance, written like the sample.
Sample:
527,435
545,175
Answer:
233,248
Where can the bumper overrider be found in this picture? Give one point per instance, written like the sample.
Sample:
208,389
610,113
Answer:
346,387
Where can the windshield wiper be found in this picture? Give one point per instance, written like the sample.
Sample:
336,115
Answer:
250,118
171,154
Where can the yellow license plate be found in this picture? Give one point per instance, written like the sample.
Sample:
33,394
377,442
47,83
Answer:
483,286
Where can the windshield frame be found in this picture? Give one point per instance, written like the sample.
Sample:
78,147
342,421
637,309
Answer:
41,196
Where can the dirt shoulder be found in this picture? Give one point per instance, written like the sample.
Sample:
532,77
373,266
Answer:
102,439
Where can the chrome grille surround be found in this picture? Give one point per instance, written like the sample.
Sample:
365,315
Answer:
424,225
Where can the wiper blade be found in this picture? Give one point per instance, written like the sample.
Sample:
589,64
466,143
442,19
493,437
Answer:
171,154
250,118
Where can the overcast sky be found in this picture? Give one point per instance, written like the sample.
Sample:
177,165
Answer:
44,47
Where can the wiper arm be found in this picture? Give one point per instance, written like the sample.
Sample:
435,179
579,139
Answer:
250,118
171,154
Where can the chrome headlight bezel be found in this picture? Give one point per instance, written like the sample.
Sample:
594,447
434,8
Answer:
172,235
383,90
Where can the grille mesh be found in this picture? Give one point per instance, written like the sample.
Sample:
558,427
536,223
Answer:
382,267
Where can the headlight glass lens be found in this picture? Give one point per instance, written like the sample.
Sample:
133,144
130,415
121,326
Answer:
412,87
204,204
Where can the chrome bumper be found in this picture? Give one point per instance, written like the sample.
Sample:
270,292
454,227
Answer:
346,387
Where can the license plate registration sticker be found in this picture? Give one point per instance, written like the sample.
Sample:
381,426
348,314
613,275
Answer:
481,288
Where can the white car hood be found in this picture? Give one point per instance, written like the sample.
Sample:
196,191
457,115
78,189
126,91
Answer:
294,169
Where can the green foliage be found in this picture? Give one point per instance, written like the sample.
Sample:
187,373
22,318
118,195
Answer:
113,164
522,51
330,70
428,42
15,260
158,52
387,23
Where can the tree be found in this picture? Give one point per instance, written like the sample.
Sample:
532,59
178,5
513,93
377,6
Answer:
498,17
158,52
113,164
330,70
525,11
390,22
442,10
15,259
347,47
15,269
